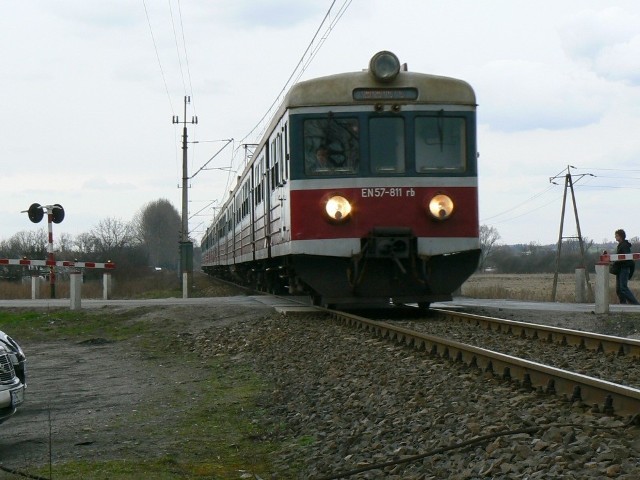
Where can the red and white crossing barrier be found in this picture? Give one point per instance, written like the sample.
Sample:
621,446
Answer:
602,278
75,280
53,263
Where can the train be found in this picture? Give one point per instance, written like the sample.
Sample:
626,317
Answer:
363,190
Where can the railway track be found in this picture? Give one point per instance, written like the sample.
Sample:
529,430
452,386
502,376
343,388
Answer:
597,394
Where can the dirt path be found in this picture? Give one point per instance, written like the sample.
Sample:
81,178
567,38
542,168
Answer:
99,400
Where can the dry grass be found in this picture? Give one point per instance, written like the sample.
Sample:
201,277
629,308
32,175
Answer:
533,287
160,284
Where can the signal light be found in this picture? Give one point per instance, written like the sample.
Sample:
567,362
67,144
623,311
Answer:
35,212
57,213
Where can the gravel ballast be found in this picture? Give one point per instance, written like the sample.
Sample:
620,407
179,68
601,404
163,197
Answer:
346,401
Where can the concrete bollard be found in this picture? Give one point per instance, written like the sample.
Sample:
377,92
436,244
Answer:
602,287
107,285
185,285
35,287
581,285
75,290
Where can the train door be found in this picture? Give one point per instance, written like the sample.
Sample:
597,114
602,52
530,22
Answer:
236,234
275,177
267,199
252,208
286,219
260,211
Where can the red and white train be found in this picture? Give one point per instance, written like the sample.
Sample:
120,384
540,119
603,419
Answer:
363,190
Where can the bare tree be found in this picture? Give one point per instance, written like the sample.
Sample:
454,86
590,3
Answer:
29,244
111,236
65,243
85,243
488,238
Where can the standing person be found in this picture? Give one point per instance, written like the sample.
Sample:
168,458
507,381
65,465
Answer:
623,270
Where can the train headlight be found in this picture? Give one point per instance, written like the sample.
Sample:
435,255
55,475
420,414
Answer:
441,207
384,66
338,208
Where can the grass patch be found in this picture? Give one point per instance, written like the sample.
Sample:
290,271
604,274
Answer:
205,421
77,325
211,429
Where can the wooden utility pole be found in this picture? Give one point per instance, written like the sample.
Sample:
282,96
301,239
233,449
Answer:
568,186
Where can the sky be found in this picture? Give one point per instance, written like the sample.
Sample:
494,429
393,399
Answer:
88,91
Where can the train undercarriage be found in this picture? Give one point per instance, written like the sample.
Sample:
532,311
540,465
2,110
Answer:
386,271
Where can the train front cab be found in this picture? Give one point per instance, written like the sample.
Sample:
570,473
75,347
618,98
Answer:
407,168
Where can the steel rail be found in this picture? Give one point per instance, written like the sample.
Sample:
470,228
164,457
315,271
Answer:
603,396
562,336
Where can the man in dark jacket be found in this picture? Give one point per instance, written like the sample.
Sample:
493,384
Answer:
623,270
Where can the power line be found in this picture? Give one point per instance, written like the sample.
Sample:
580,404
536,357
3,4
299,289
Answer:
300,62
186,57
520,204
155,47
553,200
588,176
299,69
175,37
609,169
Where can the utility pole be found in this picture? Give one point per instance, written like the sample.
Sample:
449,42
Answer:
186,246
568,185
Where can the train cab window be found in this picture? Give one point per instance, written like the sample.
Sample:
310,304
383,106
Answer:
440,144
331,146
386,145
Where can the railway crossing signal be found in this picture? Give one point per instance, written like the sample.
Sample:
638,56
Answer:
55,214
36,212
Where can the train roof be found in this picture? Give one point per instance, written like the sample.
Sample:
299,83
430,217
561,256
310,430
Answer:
339,89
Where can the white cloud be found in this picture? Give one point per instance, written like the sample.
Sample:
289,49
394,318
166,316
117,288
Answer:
608,40
87,115
520,95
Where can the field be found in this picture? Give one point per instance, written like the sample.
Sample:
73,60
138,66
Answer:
527,287
533,287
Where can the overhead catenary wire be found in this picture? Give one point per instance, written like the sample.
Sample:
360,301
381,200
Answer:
155,47
300,67
175,37
186,56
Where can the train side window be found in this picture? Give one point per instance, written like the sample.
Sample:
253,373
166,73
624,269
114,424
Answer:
386,145
331,146
440,143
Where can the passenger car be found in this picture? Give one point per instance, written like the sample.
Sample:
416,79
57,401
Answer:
13,380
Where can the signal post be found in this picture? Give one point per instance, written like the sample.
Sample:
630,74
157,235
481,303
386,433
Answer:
55,214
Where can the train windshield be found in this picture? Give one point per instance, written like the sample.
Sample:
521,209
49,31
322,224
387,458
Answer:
386,144
440,143
331,146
